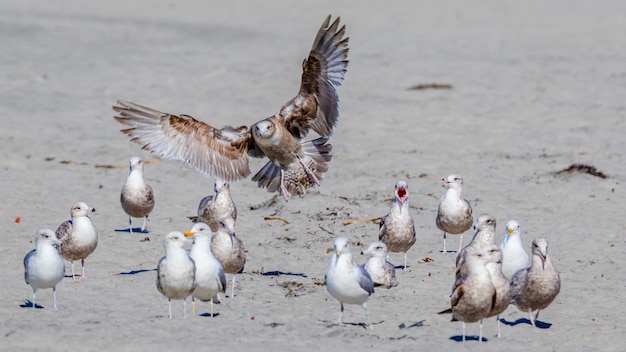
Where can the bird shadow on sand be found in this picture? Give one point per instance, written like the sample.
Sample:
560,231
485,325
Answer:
401,267
29,304
459,338
539,324
279,273
208,315
135,230
135,272
330,323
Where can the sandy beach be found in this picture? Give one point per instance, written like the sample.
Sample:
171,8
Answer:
534,88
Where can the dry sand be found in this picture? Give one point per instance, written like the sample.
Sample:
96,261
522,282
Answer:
537,86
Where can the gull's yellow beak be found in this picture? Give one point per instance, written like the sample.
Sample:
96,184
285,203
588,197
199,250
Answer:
509,229
189,233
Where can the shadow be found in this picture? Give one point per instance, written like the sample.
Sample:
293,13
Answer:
459,338
279,273
539,324
400,267
448,251
135,272
208,315
135,230
29,304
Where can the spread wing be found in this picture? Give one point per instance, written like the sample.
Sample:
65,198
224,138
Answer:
222,153
317,104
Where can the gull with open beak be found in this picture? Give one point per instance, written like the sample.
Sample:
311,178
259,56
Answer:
397,228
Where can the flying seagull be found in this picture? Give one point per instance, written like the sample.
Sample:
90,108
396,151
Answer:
294,165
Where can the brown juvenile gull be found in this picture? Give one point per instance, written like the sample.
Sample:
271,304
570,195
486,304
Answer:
514,257
484,236
78,236
215,207
473,293
397,229
228,249
137,197
294,166
500,283
43,266
454,214
381,271
347,281
210,277
534,288
176,272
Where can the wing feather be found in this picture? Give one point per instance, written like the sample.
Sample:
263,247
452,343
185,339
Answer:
222,153
317,104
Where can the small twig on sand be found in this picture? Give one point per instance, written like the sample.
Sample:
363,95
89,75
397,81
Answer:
276,218
362,221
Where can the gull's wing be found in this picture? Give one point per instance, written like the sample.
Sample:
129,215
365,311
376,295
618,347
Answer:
317,104
222,153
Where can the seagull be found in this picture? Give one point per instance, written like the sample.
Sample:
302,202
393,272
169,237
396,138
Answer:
176,272
454,214
346,281
513,253
500,283
78,236
397,228
228,249
137,197
473,293
534,288
214,207
484,236
43,266
381,271
210,277
294,166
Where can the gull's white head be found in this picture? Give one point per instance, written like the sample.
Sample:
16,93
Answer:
219,185
199,229
512,226
174,239
341,246
263,129
81,209
453,181
46,236
376,249
485,221
136,163
401,191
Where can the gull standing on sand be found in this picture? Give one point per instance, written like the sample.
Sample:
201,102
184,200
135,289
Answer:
43,266
397,228
176,272
454,214
514,257
228,249
78,236
215,207
346,281
484,236
210,277
381,271
534,288
473,293
295,165
500,283
137,197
